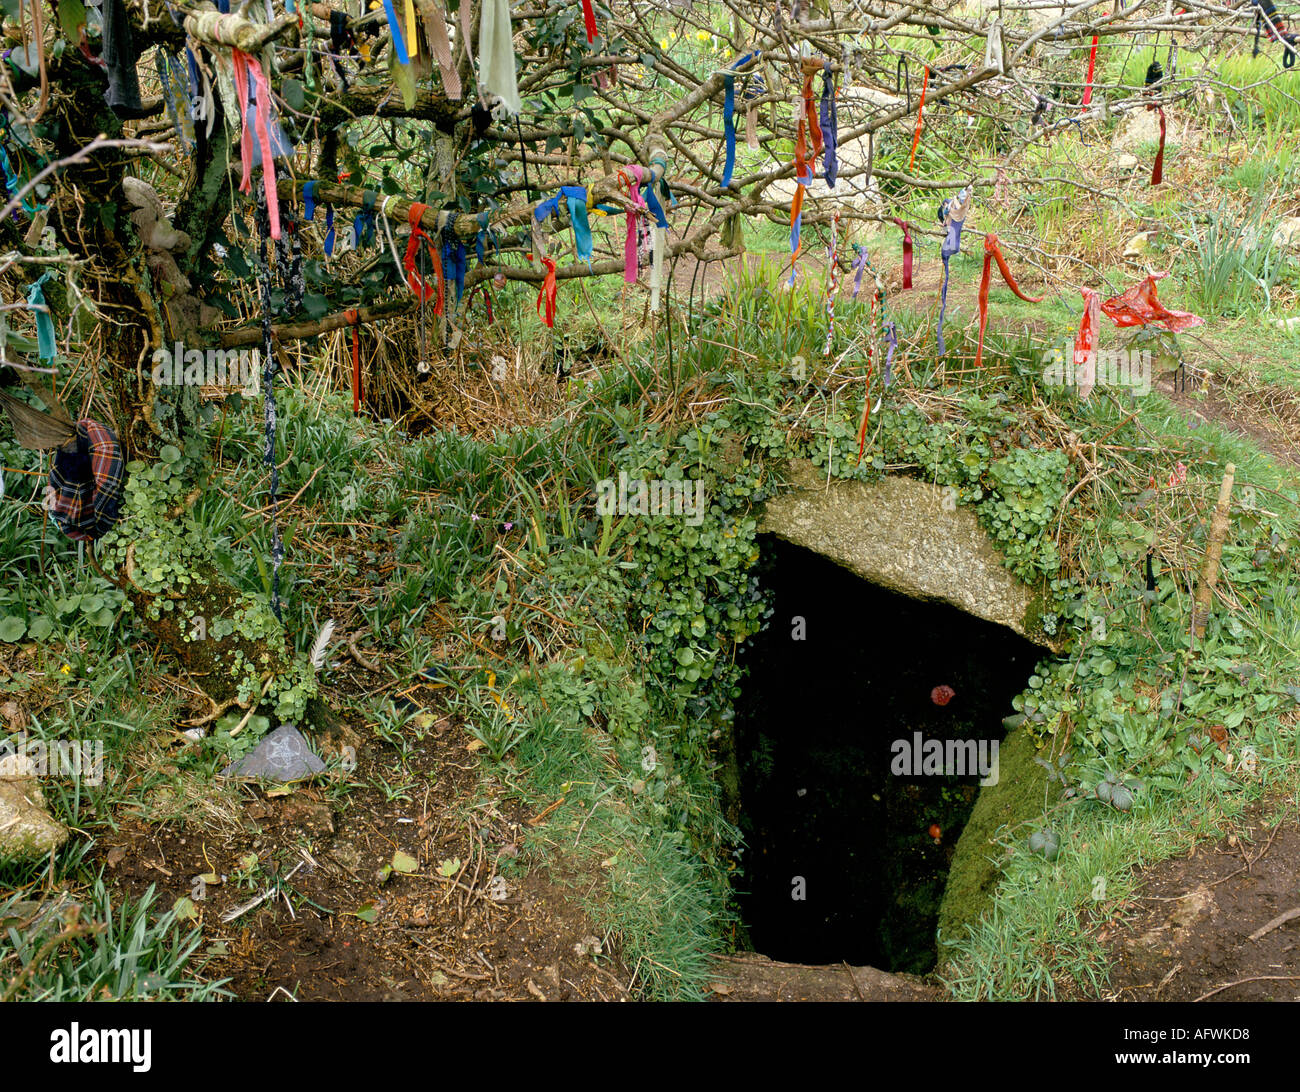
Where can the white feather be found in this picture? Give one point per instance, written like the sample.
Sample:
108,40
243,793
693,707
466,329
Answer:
322,644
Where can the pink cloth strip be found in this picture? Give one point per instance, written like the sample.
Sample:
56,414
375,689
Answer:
244,64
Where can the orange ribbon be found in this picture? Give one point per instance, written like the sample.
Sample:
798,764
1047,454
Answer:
916,137
546,295
414,281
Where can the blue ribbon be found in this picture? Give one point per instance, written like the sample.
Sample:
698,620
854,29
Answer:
309,199
795,229
399,43
329,231
363,226
728,118
663,188
830,126
453,261
656,209
729,127
479,249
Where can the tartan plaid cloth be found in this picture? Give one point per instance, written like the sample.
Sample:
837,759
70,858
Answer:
87,479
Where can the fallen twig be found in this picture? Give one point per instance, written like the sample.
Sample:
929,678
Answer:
1278,921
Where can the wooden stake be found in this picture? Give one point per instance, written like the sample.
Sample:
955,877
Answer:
1213,554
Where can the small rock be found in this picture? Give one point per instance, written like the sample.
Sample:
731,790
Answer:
1139,127
588,946
16,767
282,756
27,830
1286,236
1137,245
13,716
1126,162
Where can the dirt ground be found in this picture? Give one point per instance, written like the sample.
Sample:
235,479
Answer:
1212,926
463,923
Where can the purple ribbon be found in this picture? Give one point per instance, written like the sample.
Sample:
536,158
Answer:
951,245
859,266
830,126
891,338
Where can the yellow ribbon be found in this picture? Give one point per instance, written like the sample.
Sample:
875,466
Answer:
412,36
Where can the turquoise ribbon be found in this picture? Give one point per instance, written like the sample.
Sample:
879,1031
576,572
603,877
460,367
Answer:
576,198
44,325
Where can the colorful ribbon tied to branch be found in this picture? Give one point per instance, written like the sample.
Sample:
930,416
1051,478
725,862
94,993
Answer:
546,295
803,163
907,252
859,267
916,136
993,252
417,284
1092,67
353,319
629,180
589,20
1085,342
246,67
575,199
952,213
1138,306
830,126
1158,168
729,117
395,29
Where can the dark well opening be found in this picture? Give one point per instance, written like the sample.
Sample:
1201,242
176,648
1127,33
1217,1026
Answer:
841,862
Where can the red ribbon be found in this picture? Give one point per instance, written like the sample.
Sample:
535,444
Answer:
589,18
1085,342
547,294
993,252
814,126
1158,169
916,137
1138,306
414,281
354,318
1092,66
907,252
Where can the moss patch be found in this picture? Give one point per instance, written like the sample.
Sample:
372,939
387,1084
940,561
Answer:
1016,798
